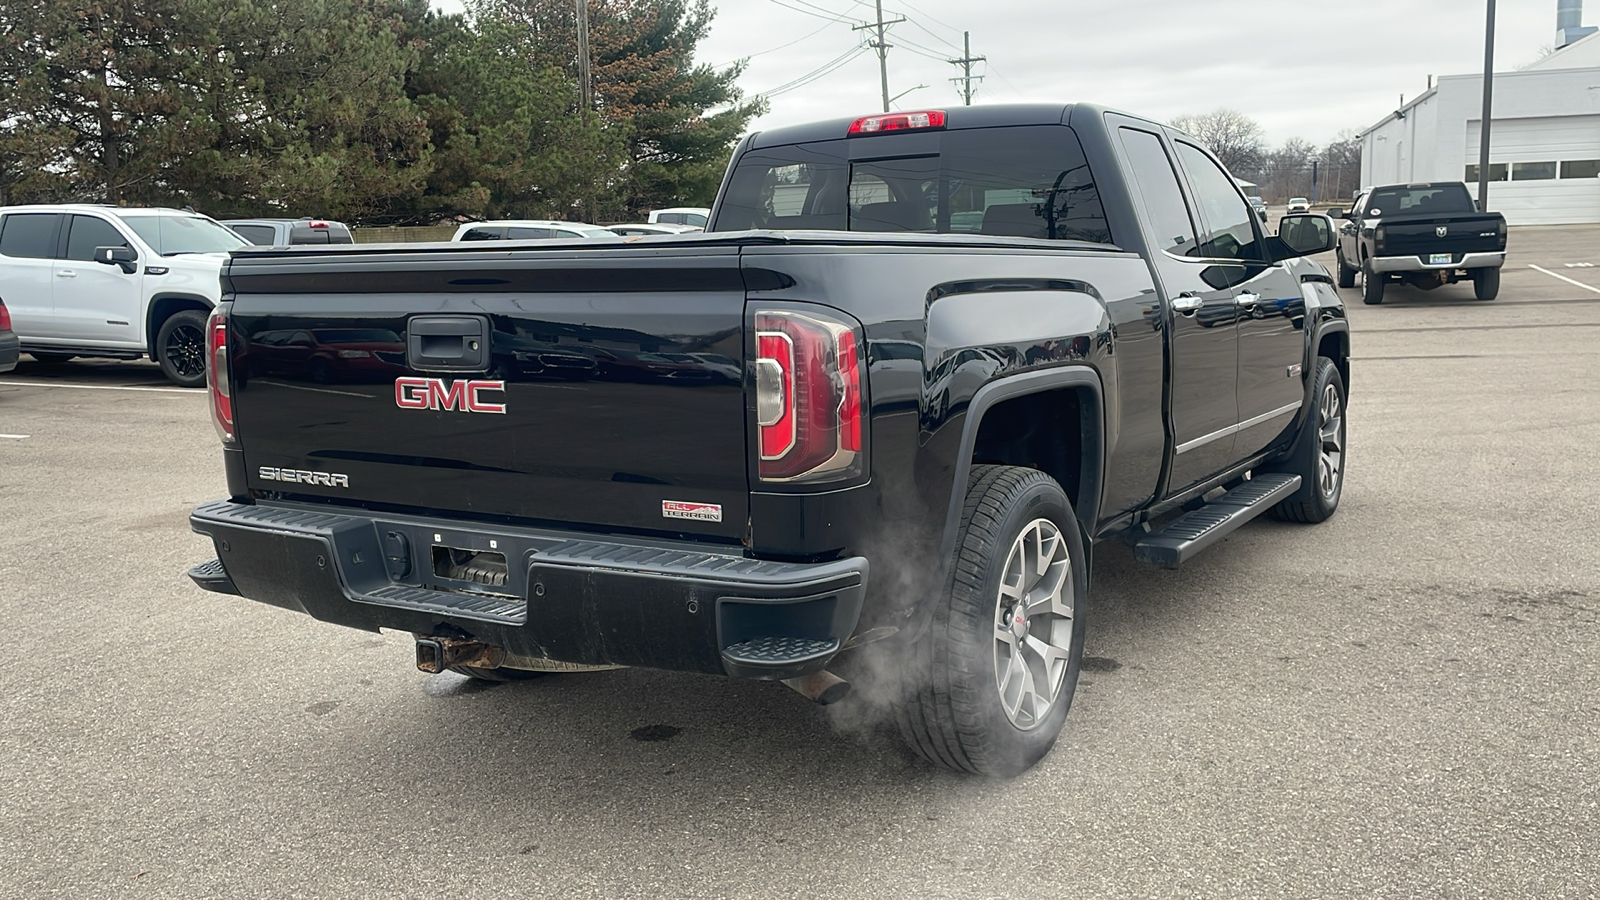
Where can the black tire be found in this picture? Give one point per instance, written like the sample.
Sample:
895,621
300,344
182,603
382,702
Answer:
953,710
498,675
1347,273
1486,283
1319,452
1371,285
180,348
51,359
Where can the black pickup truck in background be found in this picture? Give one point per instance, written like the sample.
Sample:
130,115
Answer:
1425,235
917,367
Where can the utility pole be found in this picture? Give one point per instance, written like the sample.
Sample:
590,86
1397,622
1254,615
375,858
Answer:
585,82
585,90
1488,104
883,49
965,62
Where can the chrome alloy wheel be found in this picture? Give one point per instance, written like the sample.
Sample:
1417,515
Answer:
1330,429
1033,624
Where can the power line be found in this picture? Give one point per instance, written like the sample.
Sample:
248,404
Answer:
831,17
825,69
777,48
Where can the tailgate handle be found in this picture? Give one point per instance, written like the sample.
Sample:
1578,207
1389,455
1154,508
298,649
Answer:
448,343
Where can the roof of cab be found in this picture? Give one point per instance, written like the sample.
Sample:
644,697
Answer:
956,117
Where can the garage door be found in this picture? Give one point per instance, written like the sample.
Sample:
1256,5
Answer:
1546,171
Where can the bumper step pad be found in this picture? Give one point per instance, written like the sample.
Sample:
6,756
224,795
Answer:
213,577
778,650
1187,535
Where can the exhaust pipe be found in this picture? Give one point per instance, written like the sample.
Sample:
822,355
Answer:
437,654
822,688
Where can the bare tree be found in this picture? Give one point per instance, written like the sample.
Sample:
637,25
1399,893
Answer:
1233,136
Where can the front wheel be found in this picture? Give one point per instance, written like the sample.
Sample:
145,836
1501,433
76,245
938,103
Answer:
1347,272
1318,455
180,348
989,683
1486,283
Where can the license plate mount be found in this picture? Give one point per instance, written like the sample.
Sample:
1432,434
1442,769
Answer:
1439,259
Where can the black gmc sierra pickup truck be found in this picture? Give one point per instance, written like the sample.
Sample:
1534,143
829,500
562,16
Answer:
917,366
1425,235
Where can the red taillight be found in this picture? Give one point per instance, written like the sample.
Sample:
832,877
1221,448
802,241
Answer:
5,317
808,397
217,381
906,121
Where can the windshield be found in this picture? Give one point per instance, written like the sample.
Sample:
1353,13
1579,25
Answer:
1025,181
1421,200
172,235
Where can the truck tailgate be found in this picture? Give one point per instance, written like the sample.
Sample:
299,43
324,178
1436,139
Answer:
1421,235
610,395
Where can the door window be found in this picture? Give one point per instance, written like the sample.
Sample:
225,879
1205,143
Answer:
531,234
1230,233
29,235
484,234
88,233
261,235
1158,188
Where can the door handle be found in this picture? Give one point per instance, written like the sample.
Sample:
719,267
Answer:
1187,304
66,273
1247,299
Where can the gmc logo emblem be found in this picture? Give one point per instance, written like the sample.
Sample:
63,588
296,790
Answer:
464,395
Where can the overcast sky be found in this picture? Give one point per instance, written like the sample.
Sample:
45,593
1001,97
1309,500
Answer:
1306,69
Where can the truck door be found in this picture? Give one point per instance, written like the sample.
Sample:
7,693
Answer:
96,303
1271,308
1201,315
27,257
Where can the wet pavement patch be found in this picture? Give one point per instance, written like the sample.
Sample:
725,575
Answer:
652,733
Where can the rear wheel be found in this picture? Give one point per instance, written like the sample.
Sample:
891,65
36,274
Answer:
989,683
181,348
1486,283
1371,285
1318,453
1347,273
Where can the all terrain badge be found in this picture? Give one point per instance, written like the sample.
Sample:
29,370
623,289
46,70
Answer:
699,512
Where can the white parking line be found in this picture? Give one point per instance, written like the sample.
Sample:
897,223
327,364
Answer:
101,387
14,437
1586,287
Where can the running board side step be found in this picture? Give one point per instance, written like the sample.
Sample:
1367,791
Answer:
1187,535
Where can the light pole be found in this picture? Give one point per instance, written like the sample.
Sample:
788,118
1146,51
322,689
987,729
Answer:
1488,104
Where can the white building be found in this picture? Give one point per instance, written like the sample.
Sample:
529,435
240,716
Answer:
1544,146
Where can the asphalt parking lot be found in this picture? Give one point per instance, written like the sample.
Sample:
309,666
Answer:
1403,702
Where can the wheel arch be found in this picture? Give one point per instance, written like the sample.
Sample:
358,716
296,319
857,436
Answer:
163,306
1333,341
1000,405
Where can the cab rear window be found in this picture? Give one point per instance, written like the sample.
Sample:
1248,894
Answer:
1025,181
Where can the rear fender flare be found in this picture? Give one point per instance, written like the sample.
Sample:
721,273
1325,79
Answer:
1087,506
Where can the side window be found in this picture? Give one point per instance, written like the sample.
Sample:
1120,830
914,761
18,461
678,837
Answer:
695,219
671,218
530,234
29,235
262,235
88,233
1229,231
1160,193
484,234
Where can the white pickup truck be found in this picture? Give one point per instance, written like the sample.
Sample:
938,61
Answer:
86,280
